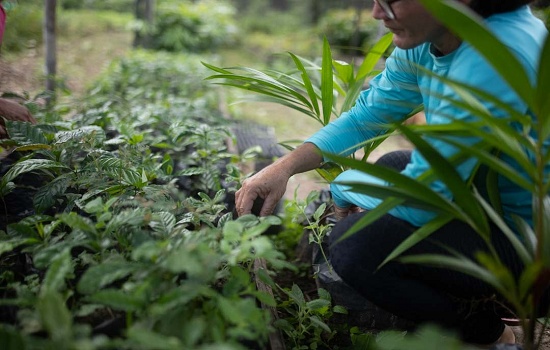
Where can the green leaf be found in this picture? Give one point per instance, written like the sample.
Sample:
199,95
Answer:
265,278
329,171
163,222
327,83
148,339
319,305
60,268
117,299
340,310
46,196
27,166
231,311
374,55
33,147
77,222
91,134
460,264
55,316
27,133
317,322
417,236
371,216
307,83
265,298
178,297
519,246
447,173
9,245
296,294
343,71
528,278
415,192
324,294
99,276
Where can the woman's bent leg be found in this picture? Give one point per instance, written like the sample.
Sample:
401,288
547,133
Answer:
418,292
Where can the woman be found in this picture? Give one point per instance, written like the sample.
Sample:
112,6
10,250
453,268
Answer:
417,293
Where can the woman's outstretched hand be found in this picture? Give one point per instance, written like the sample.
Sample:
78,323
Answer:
269,184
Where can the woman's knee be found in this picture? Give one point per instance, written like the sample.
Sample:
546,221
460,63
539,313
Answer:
361,254
351,256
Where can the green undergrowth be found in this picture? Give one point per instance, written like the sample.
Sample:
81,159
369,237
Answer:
117,229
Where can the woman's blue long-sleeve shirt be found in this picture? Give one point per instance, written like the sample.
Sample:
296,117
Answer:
402,86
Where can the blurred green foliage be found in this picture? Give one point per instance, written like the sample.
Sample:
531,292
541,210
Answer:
23,26
111,5
190,26
349,30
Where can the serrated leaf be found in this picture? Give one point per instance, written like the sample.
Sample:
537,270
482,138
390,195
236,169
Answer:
324,294
191,171
46,195
27,166
163,222
90,134
26,133
297,295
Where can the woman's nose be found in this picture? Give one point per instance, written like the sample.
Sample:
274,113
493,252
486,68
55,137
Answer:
378,12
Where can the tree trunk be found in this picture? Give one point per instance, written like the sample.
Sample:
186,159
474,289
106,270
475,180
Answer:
315,11
145,12
281,5
50,43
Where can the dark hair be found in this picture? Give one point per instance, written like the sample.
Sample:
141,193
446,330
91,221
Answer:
486,8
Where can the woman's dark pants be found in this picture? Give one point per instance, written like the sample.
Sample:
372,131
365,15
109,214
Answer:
421,293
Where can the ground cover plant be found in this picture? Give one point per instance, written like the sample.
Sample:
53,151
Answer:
117,228
130,243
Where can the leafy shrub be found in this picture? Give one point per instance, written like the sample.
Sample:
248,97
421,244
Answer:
348,30
129,243
82,23
23,27
111,5
193,26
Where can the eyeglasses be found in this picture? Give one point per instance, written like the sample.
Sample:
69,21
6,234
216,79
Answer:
386,6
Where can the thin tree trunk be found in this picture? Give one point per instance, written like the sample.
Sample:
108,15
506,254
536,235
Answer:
50,46
145,11
315,11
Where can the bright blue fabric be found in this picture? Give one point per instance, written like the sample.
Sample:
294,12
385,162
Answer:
402,86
